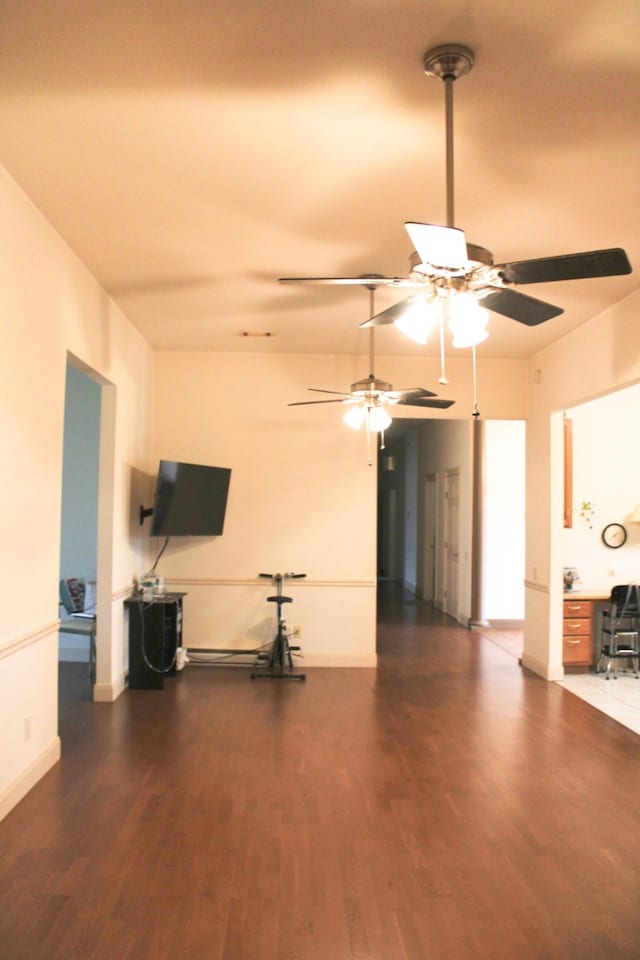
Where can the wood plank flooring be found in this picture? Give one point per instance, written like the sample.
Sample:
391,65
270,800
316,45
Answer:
446,806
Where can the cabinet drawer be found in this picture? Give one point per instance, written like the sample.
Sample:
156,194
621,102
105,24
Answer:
579,628
577,650
575,609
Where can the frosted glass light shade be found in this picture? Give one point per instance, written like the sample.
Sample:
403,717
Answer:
378,418
354,417
418,319
467,320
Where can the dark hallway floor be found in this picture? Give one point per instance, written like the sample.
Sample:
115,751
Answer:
446,806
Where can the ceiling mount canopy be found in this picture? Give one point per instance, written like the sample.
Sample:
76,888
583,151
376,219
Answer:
448,61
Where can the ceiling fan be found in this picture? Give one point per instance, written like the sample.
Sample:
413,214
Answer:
367,398
454,278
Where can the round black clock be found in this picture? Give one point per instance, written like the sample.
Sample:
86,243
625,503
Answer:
614,535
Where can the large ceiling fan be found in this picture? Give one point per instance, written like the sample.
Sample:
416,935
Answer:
367,398
454,277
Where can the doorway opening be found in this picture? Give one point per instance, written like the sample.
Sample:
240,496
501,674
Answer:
86,523
79,527
432,501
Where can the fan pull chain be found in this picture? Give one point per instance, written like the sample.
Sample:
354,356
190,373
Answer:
476,412
368,431
443,376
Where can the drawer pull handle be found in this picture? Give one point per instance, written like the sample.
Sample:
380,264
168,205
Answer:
575,606
573,643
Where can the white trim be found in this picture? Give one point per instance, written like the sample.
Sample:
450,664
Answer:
251,581
319,661
27,639
14,792
540,668
108,692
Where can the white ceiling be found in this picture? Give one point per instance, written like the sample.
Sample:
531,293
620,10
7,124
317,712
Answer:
191,152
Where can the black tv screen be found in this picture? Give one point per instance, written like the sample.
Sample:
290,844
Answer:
190,500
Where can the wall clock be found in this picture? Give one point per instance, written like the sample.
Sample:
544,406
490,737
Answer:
614,535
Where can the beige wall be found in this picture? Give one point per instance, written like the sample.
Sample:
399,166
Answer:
302,494
601,356
50,306
301,498
606,474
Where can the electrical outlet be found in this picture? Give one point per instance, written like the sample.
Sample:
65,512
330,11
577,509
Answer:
27,728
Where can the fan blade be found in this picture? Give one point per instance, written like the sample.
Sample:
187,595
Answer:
341,393
442,247
573,266
390,315
438,403
409,393
306,403
355,281
519,306
509,303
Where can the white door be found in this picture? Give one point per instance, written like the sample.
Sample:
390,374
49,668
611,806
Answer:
451,541
429,540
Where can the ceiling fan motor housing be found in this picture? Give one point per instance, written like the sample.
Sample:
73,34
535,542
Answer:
371,385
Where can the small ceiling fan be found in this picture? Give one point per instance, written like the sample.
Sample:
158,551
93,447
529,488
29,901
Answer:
367,398
449,272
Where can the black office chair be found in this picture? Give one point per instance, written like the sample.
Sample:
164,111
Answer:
620,630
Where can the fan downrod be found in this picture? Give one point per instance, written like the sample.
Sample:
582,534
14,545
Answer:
448,61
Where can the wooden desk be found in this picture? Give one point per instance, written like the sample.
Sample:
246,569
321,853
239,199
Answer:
579,630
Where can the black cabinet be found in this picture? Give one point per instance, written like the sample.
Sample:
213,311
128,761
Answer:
155,633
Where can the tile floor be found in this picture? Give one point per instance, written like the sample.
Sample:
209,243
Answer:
619,699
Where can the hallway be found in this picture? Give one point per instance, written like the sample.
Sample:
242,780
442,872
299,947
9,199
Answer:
446,806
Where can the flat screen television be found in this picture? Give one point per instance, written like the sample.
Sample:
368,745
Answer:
190,500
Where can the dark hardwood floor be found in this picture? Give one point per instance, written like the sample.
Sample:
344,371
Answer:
446,806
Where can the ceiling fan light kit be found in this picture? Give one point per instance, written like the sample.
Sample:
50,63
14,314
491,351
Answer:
374,414
458,281
368,398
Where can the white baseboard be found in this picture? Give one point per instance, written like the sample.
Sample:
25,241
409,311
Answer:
542,669
311,661
14,792
108,692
